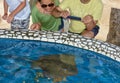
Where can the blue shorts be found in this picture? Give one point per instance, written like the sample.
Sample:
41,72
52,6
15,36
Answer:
95,30
62,24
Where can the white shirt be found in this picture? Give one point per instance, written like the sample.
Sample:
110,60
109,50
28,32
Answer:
24,13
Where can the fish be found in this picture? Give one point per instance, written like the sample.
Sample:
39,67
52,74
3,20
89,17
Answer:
57,66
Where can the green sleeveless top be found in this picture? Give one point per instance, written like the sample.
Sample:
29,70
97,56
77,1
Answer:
48,22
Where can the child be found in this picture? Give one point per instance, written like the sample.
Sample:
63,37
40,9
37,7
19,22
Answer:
19,13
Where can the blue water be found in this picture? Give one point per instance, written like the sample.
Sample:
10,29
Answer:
15,66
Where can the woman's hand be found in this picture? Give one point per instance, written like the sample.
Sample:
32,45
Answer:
58,12
35,26
64,14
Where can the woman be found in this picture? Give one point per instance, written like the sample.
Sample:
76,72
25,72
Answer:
42,18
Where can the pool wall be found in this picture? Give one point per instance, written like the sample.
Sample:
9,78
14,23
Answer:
72,39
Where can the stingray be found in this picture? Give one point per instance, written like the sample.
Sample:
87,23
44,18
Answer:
57,67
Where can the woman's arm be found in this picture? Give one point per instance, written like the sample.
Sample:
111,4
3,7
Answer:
58,12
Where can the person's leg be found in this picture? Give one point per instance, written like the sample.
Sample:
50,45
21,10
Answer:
87,33
61,26
92,33
64,25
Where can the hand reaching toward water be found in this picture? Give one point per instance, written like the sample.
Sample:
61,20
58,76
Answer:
35,26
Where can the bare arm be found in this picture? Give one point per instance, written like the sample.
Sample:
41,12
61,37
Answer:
58,12
17,10
5,10
5,7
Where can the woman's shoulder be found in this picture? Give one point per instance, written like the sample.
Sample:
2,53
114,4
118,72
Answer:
57,2
32,3
36,10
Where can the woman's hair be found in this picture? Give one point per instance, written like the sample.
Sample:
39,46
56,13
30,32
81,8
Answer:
39,0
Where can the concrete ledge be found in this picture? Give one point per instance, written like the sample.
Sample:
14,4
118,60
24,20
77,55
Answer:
76,40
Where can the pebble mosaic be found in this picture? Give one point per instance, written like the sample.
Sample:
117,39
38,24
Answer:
72,39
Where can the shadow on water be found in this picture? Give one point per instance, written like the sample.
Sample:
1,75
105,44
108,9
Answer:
57,67
23,61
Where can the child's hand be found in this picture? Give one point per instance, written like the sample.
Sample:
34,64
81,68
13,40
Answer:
65,14
5,16
10,18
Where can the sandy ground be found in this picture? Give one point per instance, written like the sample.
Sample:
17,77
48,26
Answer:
104,24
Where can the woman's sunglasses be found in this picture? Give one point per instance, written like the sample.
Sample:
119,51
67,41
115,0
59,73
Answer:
49,5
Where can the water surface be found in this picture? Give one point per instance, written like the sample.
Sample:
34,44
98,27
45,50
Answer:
16,56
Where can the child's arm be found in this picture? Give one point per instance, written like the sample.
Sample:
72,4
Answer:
5,10
17,10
